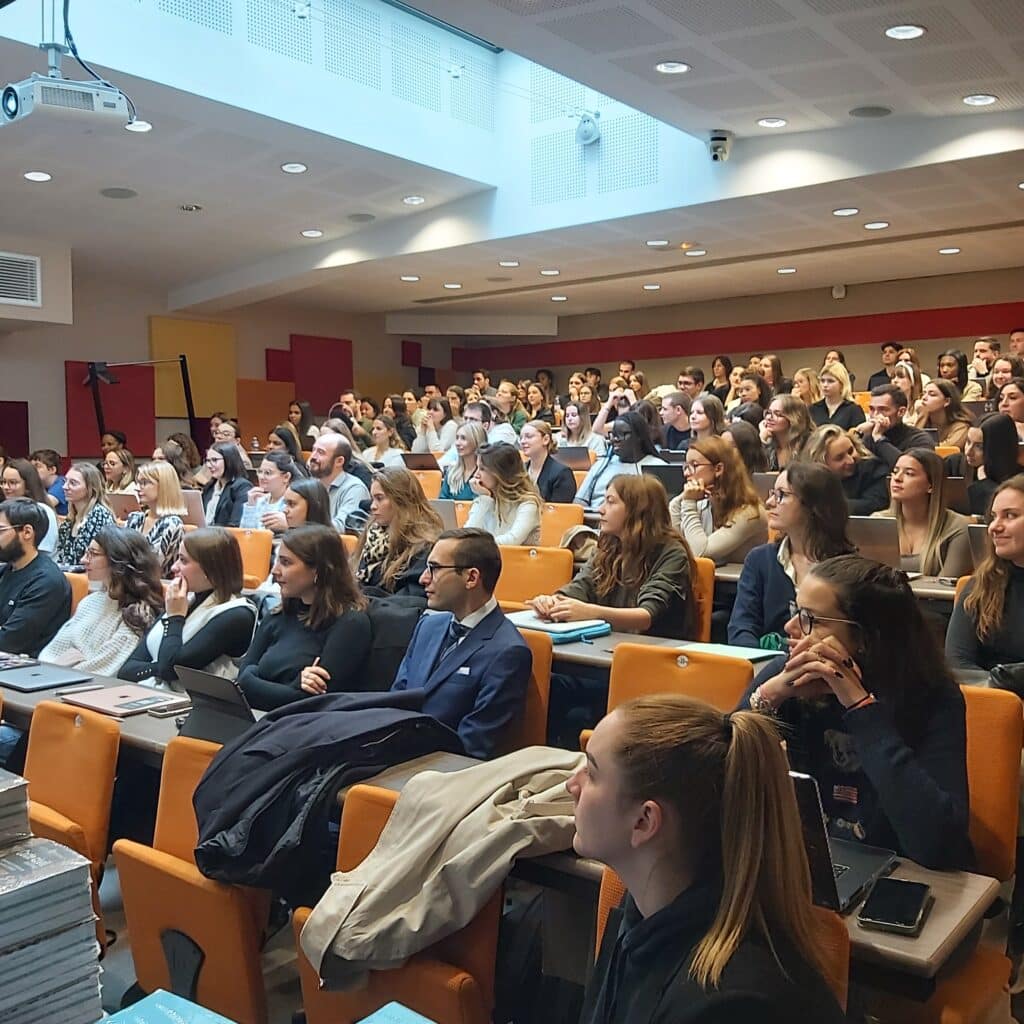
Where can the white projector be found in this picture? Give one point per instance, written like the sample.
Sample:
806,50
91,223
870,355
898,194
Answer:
62,98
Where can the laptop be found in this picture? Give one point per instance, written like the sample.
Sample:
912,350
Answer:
575,457
671,477
764,483
979,409
195,514
955,495
127,699
876,538
841,871
424,460
981,542
123,504
445,508
673,458
220,712
36,676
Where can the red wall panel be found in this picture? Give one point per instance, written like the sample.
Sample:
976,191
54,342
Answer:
279,364
412,353
322,368
14,429
128,406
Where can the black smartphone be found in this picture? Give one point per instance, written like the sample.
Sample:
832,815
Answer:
896,905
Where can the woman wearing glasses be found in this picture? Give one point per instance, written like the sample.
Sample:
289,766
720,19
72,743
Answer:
808,508
719,512
119,470
159,520
225,495
264,503
873,713
784,430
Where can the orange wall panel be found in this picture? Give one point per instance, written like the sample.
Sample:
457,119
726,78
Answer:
210,348
262,405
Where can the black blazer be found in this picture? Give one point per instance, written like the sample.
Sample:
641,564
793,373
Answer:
847,415
229,508
556,482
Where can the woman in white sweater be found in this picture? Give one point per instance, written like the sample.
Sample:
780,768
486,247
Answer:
108,622
507,503
436,431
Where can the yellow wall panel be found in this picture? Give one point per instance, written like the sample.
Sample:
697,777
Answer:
210,348
262,405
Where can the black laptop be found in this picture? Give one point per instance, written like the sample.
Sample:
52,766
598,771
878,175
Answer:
220,712
841,871
573,456
671,477
420,460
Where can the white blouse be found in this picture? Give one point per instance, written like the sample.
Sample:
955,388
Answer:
95,639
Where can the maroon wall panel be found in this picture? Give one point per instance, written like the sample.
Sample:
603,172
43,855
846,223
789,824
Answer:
279,364
14,429
322,368
129,406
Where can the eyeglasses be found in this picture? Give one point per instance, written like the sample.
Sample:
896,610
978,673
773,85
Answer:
779,496
90,554
807,619
692,467
2,528
434,567
772,414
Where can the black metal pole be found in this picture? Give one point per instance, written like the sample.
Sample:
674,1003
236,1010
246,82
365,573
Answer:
97,401
190,408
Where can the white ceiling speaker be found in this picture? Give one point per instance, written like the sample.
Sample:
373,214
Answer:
588,131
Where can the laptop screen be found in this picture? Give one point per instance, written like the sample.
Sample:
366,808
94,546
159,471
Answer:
819,856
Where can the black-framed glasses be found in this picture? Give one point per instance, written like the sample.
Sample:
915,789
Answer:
434,567
779,496
807,619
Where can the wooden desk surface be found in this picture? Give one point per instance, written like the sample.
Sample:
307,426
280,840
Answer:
598,654
927,588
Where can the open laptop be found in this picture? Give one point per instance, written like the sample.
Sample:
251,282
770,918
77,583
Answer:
220,712
423,460
841,871
575,457
981,542
671,477
123,504
124,700
195,514
672,457
36,676
445,508
764,483
876,538
954,494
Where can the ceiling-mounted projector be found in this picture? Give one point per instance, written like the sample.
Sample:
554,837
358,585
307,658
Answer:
59,97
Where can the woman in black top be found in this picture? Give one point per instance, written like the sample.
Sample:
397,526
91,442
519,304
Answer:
835,405
721,367
281,439
206,622
554,479
989,458
740,435
225,495
864,477
695,812
318,639
873,713
537,405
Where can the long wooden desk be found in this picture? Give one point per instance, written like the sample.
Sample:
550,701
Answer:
598,652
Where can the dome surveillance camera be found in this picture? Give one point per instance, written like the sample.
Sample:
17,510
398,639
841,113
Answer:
588,131
720,144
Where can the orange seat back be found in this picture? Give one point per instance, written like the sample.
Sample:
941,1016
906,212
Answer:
960,584
863,399
256,546
581,475
942,450
185,762
350,543
529,571
462,512
640,671
704,596
555,519
531,730
430,481
995,728
79,587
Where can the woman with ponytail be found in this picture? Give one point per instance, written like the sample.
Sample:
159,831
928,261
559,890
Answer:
696,813
873,712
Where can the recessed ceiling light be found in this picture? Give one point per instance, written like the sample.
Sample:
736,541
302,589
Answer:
870,112
294,167
312,233
876,225
950,250
412,278
508,263
361,218
38,176
452,285
672,67
656,243
1020,184
190,208
696,252
559,298
846,211
413,200
549,272
138,125
772,122
786,270
652,287
980,99
903,32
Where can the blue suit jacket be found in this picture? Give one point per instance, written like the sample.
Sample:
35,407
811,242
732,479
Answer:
479,687
763,594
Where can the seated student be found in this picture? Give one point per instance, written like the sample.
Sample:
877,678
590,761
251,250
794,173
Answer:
507,504
283,439
492,420
436,431
112,441
163,505
455,483
718,512
746,442
47,463
333,464
19,479
119,471
108,622
264,503
1004,369
225,495
538,407
707,417
695,811
174,455
771,370
753,389
398,537
630,447
300,416
640,577
942,411
88,513
576,430
907,378
808,508
806,386
864,477
873,713
226,432
674,431
987,625
933,538
317,640
784,430
35,598
554,479
206,622
952,366
884,433
471,662
506,401
836,405
1011,403
989,457
386,445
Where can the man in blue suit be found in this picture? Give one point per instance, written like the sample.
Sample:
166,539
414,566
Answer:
469,660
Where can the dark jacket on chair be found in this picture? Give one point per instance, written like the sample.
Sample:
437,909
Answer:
229,508
556,482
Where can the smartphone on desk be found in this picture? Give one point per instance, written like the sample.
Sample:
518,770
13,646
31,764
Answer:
169,712
896,905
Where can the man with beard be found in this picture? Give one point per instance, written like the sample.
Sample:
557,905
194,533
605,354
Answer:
35,598
328,463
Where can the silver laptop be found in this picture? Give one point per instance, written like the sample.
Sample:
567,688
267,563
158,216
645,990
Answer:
195,514
573,456
954,494
877,539
421,460
220,712
841,871
764,483
123,504
40,677
981,542
671,477
445,508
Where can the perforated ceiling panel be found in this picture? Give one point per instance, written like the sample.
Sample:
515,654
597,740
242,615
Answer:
608,31
472,89
946,66
416,67
556,168
352,42
532,7
552,94
778,49
712,17
272,26
213,14
869,31
1005,16
844,6
629,153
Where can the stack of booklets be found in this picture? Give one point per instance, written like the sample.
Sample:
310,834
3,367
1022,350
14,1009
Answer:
49,965
162,1007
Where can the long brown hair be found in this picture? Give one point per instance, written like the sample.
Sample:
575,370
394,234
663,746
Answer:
727,777
627,560
734,490
513,485
320,548
414,526
219,556
134,582
935,469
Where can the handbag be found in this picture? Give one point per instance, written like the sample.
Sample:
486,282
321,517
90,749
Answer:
1009,677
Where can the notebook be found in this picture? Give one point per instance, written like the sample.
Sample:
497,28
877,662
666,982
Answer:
560,632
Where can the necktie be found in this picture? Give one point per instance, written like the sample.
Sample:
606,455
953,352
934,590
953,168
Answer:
456,631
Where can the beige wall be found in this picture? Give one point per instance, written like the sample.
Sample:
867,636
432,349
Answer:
54,286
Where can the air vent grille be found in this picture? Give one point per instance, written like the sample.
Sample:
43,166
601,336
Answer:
19,280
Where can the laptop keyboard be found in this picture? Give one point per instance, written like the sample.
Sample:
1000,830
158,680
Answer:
839,869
